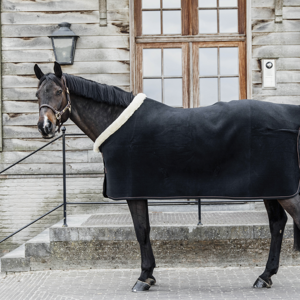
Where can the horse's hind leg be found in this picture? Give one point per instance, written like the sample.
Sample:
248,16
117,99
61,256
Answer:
292,206
140,217
277,221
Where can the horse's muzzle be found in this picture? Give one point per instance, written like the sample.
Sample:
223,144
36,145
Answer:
46,129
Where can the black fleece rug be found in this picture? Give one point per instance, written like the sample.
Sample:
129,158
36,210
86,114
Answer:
243,149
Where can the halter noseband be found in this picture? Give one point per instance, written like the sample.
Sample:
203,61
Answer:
58,114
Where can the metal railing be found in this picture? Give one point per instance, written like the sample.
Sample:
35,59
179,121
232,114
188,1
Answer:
198,202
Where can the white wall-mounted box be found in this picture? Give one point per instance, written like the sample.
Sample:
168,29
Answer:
268,67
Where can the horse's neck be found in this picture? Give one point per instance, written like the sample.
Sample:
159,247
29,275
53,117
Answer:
93,117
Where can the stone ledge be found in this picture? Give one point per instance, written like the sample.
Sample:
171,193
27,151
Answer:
168,233
175,253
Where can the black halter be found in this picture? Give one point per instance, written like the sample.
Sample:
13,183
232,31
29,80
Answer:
58,114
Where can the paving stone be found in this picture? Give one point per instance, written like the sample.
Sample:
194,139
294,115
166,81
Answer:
175,284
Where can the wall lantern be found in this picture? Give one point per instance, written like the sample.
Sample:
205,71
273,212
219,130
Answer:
64,44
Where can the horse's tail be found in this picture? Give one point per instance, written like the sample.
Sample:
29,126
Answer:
296,237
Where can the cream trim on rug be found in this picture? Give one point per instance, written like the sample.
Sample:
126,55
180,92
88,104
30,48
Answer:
121,120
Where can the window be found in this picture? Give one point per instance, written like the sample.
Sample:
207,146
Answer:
161,17
162,74
219,72
190,53
218,16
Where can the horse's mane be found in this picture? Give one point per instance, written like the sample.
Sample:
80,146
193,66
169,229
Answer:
111,95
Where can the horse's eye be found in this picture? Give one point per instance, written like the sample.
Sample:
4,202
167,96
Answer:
58,92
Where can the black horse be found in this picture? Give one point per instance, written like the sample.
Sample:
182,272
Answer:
94,107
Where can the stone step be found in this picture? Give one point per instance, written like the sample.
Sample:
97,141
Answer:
108,241
168,226
35,254
15,261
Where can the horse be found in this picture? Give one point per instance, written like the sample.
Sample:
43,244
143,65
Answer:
94,108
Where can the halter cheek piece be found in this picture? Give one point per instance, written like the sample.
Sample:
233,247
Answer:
58,114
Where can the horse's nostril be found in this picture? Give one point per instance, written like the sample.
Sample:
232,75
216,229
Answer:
48,128
40,128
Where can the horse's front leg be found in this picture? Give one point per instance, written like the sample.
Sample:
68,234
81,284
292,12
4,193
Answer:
140,217
277,221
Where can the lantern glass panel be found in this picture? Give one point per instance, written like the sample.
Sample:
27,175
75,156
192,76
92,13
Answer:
63,49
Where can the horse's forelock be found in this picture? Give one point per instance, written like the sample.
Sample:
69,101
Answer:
50,77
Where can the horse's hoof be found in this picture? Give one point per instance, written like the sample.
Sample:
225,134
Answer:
151,281
141,286
260,283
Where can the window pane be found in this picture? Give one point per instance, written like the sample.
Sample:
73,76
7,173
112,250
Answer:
151,62
229,61
229,89
172,62
228,20
208,91
171,22
208,61
151,4
207,21
173,92
63,48
152,88
151,22
227,3
207,3
171,3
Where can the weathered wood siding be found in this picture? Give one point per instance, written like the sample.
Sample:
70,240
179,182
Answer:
277,40
102,54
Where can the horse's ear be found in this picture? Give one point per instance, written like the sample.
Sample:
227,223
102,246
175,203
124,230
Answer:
38,72
57,70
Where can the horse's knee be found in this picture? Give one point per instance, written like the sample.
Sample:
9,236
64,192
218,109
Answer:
277,225
277,217
142,235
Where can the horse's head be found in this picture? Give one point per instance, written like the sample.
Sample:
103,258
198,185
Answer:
54,101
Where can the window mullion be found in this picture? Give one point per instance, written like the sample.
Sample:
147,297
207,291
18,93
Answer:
162,76
218,17
161,18
219,74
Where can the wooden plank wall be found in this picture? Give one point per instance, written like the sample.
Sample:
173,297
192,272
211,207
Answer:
277,40
102,54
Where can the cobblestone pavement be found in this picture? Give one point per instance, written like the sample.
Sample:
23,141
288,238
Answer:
173,284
